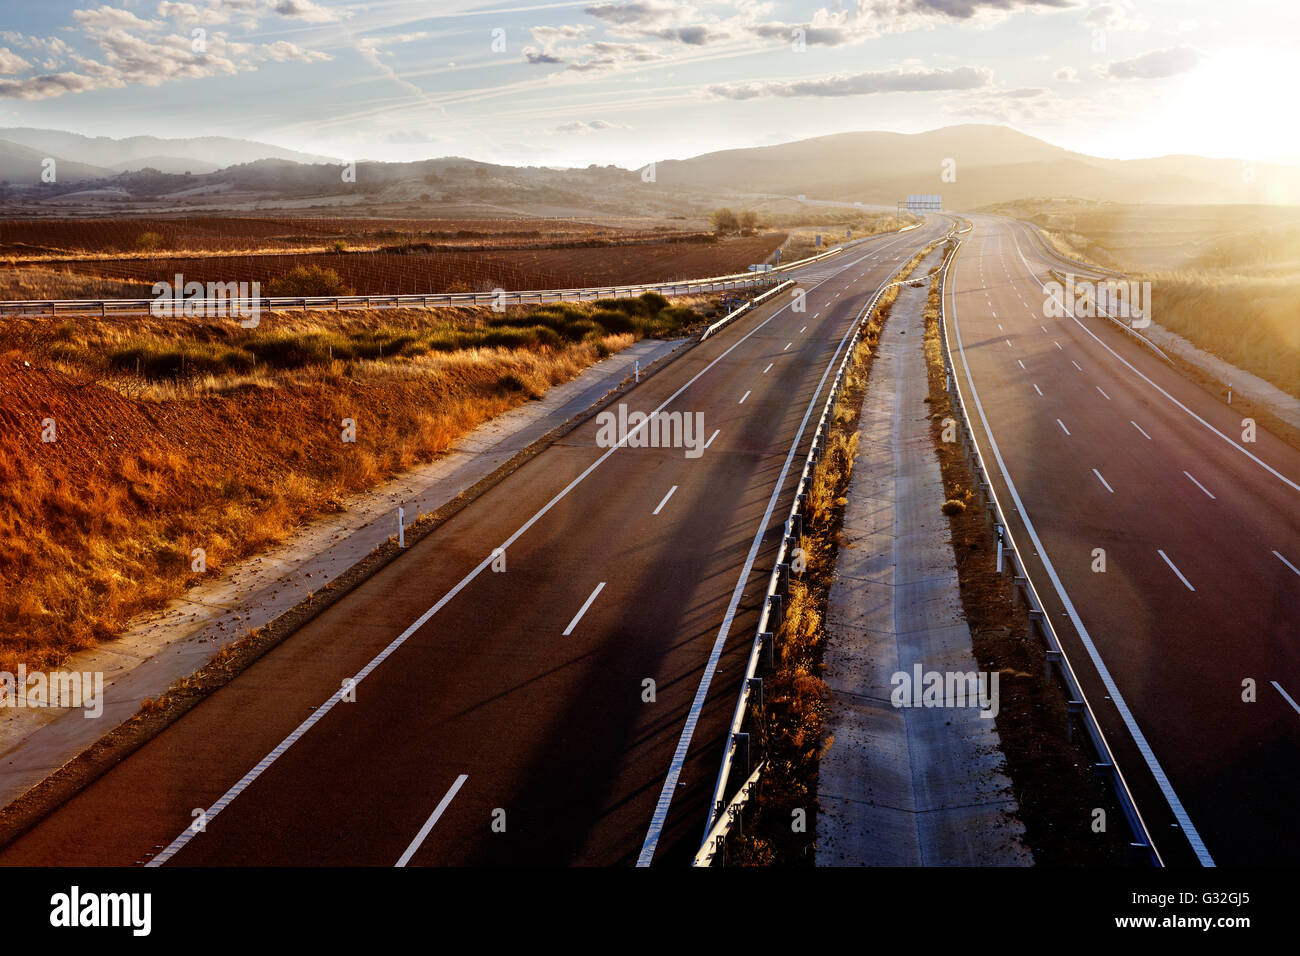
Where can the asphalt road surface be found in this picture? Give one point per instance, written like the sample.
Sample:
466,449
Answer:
1109,448
500,717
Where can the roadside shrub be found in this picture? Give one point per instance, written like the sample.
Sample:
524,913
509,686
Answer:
654,302
307,281
953,507
614,322
157,359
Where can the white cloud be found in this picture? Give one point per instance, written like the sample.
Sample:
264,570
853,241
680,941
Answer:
11,62
135,51
585,126
308,11
1153,65
859,84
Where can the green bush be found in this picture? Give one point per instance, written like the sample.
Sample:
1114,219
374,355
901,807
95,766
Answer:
307,281
157,359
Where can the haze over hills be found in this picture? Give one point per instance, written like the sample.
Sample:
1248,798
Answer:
203,154
992,164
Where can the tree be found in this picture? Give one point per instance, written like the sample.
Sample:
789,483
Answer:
748,222
725,221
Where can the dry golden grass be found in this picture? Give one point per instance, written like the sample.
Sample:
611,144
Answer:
795,694
1226,278
1251,321
100,525
33,282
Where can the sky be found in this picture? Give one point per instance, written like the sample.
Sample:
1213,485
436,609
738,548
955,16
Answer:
628,82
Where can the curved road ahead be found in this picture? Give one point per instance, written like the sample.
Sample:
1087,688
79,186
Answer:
1098,444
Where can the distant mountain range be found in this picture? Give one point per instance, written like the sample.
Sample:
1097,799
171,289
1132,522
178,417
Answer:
987,164
88,157
971,166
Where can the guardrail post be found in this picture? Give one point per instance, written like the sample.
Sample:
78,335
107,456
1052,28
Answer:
783,577
1073,709
1053,662
769,647
774,612
756,689
741,741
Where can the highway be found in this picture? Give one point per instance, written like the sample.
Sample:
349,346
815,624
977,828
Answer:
449,712
1096,443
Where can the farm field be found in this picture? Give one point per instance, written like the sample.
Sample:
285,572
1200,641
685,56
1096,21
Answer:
123,258
142,236
174,435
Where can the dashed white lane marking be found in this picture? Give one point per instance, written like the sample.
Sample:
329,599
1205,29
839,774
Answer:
743,397
1103,393
1009,345
1063,428
1043,327
665,501
815,314
1174,568
1057,344
803,330
711,437
1289,699
1037,389
1103,481
1000,328
769,367
1022,364
1286,562
1198,484
1140,428
433,818
787,345
583,610
1076,365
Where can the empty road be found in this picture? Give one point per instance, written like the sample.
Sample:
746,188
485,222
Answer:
501,668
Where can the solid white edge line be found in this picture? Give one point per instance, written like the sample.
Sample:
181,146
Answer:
1286,562
1289,699
1139,738
665,501
583,610
433,818
1199,485
660,816
1174,568
296,734
1259,461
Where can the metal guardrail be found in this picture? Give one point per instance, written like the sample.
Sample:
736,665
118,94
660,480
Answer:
234,306
1086,267
1120,323
734,314
1039,623
722,817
